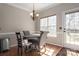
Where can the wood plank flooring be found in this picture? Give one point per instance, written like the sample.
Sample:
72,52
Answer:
51,50
68,52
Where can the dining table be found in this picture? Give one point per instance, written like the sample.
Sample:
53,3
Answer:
31,36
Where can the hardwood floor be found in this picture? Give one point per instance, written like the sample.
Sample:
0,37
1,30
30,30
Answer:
52,50
68,52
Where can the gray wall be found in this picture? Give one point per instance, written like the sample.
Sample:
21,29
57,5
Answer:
58,10
13,19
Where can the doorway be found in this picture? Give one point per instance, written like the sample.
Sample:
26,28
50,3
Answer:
71,30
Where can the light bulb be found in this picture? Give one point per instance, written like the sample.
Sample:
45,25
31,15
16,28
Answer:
31,14
37,15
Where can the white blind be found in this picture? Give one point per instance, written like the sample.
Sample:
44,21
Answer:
49,24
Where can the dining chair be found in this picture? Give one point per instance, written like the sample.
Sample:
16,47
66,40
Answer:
26,33
42,45
39,39
19,41
43,38
22,44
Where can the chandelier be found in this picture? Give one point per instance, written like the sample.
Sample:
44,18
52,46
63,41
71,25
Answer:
34,14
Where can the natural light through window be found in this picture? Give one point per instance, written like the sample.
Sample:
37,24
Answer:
72,28
48,24
45,51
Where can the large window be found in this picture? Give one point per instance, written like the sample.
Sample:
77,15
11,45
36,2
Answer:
48,24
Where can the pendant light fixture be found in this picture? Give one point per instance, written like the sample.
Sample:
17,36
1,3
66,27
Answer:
34,14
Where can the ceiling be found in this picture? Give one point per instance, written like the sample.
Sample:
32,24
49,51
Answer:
37,6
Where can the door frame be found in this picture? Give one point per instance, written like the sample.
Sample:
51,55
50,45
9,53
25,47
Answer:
64,24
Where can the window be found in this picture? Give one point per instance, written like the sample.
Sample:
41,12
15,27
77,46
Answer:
48,24
72,21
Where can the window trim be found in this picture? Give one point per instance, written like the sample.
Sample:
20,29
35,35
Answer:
71,12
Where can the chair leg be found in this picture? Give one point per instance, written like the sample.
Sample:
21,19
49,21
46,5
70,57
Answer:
18,51
21,51
45,47
25,49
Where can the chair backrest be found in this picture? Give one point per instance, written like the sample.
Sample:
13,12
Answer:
41,33
43,38
19,39
26,32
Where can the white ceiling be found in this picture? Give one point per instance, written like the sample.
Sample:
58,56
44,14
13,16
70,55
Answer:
37,6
